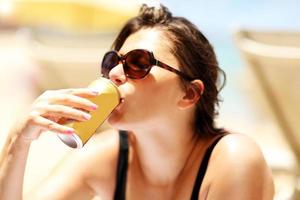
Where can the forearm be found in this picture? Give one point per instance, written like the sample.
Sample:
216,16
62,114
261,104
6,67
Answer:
42,115
12,166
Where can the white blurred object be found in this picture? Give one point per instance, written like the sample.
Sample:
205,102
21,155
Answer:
6,8
274,57
151,3
68,60
17,80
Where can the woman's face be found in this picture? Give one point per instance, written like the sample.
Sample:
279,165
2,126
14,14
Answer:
153,100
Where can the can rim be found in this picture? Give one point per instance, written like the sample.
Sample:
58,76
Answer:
74,137
78,141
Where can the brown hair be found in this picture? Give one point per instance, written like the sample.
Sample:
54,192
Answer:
194,53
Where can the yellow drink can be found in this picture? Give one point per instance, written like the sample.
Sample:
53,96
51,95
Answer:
107,100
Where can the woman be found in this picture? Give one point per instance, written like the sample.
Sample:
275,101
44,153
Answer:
167,74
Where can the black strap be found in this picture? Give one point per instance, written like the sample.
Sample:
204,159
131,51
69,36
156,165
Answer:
203,168
120,191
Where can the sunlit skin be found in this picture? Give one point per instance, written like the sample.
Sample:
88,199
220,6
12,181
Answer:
165,153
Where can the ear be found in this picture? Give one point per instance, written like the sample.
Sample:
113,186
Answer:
192,94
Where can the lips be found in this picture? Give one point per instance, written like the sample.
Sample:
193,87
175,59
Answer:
122,100
122,97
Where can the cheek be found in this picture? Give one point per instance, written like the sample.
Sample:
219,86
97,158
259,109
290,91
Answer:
160,95
148,100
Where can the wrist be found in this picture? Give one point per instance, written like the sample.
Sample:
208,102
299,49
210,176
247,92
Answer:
22,140
18,140
26,134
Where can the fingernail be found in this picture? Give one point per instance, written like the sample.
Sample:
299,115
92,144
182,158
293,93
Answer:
87,116
69,131
94,107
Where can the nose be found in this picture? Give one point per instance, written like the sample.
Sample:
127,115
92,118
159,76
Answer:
117,75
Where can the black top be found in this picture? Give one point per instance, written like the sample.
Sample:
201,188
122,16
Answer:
120,191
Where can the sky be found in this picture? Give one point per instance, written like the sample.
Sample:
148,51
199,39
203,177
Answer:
218,19
220,14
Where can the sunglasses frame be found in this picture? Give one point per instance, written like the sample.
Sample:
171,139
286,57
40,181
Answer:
153,62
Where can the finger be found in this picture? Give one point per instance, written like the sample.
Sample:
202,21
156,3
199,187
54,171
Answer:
81,92
74,101
50,125
63,111
54,118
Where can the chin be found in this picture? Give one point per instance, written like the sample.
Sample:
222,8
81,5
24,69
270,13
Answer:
118,121
115,120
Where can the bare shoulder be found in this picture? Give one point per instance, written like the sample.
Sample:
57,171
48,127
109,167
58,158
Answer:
238,169
238,148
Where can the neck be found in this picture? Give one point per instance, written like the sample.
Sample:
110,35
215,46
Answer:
163,154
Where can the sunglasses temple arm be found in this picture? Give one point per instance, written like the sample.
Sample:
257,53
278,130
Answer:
167,67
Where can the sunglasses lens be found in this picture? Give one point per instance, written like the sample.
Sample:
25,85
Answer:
137,64
110,60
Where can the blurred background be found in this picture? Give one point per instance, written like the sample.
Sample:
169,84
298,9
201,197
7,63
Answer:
51,44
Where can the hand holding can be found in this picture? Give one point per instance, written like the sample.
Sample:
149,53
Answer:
107,100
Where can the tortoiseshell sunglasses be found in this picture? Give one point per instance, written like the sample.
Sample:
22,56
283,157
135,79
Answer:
136,64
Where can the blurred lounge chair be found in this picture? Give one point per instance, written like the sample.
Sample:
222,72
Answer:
275,59
67,59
